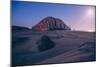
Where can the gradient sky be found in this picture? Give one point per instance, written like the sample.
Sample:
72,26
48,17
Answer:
78,17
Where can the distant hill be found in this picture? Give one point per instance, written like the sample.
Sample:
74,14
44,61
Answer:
19,28
51,23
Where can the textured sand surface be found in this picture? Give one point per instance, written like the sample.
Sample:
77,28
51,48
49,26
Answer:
68,47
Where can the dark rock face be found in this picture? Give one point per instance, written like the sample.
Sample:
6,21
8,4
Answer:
45,43
51,23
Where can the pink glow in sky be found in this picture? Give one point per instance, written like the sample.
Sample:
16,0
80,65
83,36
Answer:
86,22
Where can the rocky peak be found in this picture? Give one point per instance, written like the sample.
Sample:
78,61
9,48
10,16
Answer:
51,23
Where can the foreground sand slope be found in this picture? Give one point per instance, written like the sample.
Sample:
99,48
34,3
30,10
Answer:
67,49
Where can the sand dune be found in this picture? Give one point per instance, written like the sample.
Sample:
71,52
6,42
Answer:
68,47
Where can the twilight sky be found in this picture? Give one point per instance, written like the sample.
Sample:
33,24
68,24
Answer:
78,17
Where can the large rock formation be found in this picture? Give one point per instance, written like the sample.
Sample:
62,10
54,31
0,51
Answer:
51,23
45,43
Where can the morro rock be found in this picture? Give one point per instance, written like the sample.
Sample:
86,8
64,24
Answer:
50,23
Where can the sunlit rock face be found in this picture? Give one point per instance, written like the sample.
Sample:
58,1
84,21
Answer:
51,23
